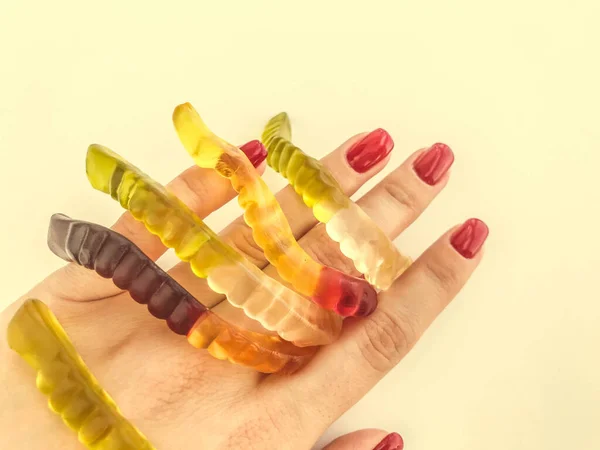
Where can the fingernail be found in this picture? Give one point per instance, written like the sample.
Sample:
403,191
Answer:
469,238
255,151
392,441
370,150
432,164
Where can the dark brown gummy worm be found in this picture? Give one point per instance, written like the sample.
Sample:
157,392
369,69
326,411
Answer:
114,256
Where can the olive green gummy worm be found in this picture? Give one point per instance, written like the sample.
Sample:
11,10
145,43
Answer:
72,391
360,239
277,307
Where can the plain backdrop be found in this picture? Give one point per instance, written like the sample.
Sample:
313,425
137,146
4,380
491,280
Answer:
511,86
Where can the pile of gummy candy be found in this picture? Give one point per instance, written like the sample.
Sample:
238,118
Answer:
301,311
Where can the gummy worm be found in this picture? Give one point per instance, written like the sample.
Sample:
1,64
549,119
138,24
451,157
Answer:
72,391
262,298
360,239
114,256
330,288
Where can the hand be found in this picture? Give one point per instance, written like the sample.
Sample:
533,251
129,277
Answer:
181,397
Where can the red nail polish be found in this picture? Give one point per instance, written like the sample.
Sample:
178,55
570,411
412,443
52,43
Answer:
392,441
432,164
370,150
469,238
255,151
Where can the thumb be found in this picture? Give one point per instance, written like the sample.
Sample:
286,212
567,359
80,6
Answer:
370,439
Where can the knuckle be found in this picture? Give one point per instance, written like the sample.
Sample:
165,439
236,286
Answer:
443,275
128,225
239,236
402,195
387,337
192,190
319,246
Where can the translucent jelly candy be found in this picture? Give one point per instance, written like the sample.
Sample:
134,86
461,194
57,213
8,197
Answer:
360,239
262,298
330,288
72,391
113,256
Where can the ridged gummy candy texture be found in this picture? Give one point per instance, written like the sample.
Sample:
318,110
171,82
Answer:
262,298
332,289
360,239
62,376
113,256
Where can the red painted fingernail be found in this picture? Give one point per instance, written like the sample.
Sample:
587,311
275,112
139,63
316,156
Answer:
432,164
392,441
469,238
370,150
255,151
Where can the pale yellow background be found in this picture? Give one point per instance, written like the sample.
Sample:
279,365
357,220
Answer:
512,86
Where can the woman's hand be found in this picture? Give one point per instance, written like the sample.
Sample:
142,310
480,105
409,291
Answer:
181,397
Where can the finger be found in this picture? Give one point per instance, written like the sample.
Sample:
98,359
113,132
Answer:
403,195
202,190
369,348
367,440
352,164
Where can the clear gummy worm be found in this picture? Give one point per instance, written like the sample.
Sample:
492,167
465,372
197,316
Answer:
262,298
360,239
328,287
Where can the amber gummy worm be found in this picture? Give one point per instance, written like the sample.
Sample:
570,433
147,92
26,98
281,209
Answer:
262,298
330,288
72,391
373,253
113,256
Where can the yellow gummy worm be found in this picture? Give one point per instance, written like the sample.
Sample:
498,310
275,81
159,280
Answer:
72,391
262,298
330,288
360,239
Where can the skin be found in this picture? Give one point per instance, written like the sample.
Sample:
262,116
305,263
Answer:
179,396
